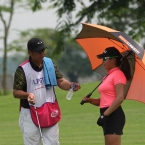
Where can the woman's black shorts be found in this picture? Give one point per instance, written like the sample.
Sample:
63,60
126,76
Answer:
115,122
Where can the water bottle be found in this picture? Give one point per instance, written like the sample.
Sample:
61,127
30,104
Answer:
70,94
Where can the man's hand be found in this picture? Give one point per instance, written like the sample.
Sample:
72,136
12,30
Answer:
75,86
31,98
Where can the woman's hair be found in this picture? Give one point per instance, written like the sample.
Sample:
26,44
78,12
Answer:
125,67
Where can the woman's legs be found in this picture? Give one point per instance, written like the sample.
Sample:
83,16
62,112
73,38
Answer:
112,139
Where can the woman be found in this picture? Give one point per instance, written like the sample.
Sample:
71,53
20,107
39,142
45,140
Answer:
112,90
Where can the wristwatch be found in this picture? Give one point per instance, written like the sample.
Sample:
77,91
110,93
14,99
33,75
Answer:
102,116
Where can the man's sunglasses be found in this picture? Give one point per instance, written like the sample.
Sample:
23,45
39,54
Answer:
39,52
105,58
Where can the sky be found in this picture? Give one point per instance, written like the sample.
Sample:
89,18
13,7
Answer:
27,19
43,18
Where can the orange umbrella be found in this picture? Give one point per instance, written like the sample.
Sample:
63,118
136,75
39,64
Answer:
95,38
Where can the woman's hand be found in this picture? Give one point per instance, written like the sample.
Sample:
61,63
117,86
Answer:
85,99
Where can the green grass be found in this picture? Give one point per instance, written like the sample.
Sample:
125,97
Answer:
78,124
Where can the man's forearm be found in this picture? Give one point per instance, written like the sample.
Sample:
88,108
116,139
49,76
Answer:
20,94
64,84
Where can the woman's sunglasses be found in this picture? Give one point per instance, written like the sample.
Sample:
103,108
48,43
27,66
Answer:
105,58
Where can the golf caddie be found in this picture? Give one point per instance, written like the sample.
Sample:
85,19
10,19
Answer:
34,84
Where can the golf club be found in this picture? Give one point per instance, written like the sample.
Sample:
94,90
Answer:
39,125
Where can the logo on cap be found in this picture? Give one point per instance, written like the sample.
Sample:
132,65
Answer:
40,42
105,51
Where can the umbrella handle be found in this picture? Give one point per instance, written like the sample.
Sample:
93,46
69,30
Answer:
88,96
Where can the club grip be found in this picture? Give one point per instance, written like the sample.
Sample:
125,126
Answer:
82,102
88,96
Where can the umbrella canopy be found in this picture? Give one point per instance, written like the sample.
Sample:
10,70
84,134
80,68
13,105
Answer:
94,39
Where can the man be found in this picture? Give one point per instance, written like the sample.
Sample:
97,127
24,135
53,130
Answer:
34,83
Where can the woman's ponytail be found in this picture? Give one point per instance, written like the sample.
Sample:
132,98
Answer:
125,67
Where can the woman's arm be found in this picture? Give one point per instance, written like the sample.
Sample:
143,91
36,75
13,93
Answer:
92,101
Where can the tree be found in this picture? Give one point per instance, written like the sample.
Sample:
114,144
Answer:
127,15
10,10
74,62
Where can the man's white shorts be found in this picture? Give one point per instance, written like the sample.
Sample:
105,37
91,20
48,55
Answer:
31,133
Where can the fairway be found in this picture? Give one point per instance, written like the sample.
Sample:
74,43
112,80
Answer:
78,124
